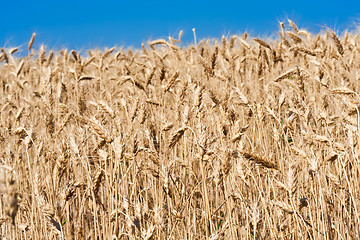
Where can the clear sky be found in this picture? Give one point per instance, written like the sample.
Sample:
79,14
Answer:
79,24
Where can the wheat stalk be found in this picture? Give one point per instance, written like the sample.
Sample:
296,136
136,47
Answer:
31,42
172,81
262,43
293,25
259,160
176,136
338,44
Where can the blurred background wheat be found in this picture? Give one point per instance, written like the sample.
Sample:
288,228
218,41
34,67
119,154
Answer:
236,138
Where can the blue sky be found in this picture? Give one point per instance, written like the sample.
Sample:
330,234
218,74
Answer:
88,24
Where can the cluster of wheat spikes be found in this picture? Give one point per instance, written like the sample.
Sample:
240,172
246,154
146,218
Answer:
237,139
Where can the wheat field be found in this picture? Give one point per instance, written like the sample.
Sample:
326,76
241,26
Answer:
231,138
